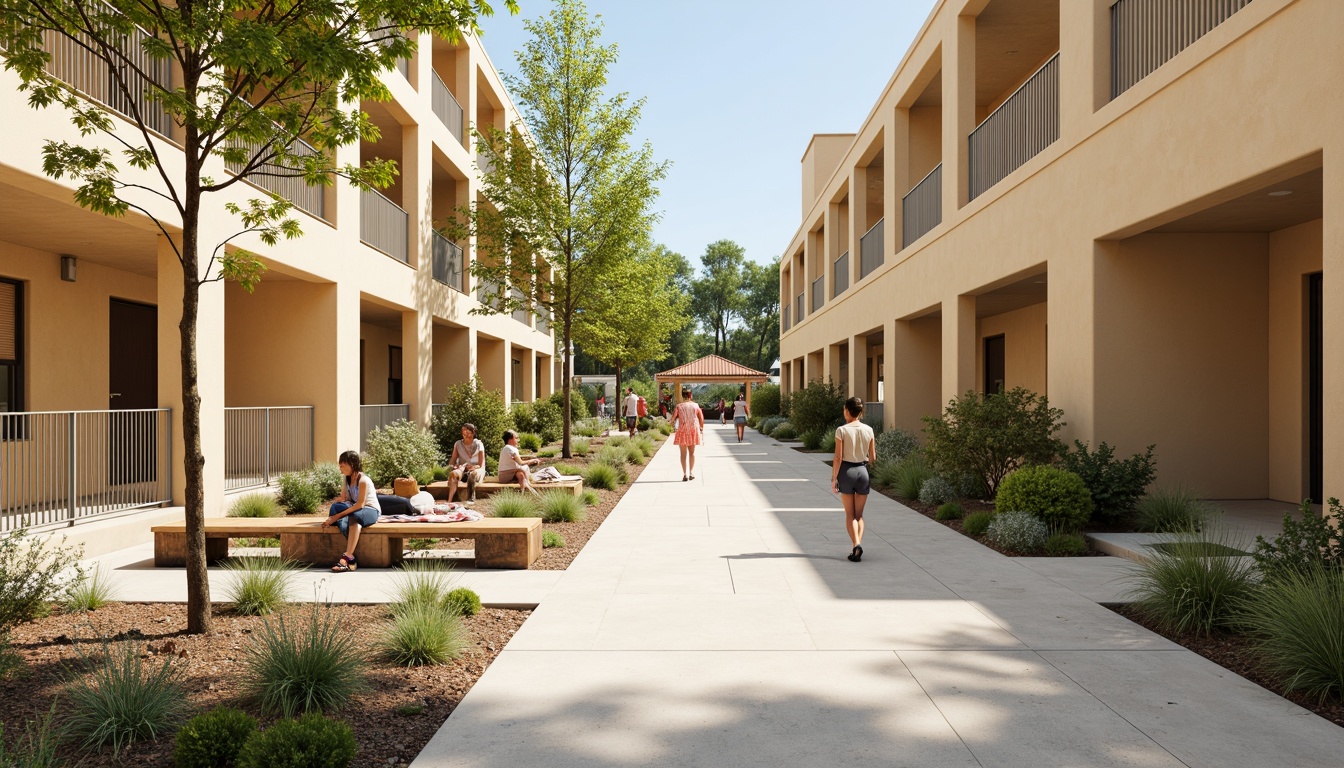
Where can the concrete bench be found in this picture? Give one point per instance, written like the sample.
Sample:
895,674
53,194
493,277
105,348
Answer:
491,485
500,542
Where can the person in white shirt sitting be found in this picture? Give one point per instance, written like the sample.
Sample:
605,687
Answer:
467,463
512,465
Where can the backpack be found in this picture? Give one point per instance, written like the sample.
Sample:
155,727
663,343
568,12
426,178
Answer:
643,409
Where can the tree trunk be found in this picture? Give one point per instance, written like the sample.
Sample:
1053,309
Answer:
619,400
198,583
565,387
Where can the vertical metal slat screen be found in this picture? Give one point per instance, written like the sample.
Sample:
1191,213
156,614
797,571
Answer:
373,417
262,443
308,198
446,107
1145,34
818,293
383,225
922,207
840,275
871,246
448,267
1026,123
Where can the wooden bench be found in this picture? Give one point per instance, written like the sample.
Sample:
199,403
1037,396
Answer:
491,485
513,542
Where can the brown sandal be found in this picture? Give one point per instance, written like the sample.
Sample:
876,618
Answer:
346,563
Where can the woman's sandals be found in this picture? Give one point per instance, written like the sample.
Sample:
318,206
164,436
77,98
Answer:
346,563
856,555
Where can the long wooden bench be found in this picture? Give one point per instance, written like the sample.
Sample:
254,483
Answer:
491,485
513,542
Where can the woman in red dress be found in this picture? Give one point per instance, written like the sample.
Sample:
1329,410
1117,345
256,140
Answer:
690,423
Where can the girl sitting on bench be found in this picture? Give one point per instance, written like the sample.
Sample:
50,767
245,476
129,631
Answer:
357,508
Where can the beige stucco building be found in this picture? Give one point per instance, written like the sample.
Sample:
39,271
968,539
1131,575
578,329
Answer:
1127,205
365,319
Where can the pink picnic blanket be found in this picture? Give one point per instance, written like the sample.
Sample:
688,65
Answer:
443,513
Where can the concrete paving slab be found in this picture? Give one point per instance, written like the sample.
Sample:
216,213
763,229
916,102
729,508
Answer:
1099,579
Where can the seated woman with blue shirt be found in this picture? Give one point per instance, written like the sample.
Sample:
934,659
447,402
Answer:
357,508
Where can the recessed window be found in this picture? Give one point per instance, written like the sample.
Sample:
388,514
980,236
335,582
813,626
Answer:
11,346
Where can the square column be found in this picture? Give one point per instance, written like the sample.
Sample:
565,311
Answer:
1332,301
528,370
1084,63
914,386
958,346
833,355
417,364
546,365
958,111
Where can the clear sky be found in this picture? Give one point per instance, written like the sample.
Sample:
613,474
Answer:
735,89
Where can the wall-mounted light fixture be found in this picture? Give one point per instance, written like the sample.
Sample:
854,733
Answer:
68,269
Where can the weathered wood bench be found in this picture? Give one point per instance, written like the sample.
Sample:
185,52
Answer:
491,485
513,542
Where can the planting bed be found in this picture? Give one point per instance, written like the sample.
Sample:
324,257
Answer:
970,505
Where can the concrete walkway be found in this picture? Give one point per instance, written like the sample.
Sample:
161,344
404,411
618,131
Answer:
717,623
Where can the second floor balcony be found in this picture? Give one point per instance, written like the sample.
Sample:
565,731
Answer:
818,293
922,207
870,250
446,108
840,275
383,224
449,264
1023,125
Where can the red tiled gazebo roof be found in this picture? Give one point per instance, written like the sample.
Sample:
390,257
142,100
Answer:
711,369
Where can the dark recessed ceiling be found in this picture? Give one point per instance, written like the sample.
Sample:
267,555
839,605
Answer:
1259,211
1012,39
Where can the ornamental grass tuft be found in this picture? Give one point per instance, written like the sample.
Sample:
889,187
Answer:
308,664
511,503
1193,584
123,698
561,506
423,634
259,585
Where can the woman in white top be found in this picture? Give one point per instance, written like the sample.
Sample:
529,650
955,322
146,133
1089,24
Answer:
854,451
512,465
740,414
357,508
467,463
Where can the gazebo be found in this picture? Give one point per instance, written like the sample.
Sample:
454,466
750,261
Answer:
712,369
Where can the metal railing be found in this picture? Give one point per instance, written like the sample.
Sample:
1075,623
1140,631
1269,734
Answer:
544,322
521,315
872,409
59,467
870,249
798,309
485,289
305,197
1017,131
383,224
261,443
447,108
404,67
373,417
922,207
447,263
840,275
784,318
1145,34
818,293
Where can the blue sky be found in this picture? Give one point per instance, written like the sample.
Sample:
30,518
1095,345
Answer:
734,89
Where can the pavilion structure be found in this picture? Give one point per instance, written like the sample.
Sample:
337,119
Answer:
712,369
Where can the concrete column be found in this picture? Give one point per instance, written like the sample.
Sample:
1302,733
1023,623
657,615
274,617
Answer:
858,208
832,355
958,346
417,173
895,175
417,364
547,377
467,96
834,226
958,110
858,367
507,359
341,430
889,349
914,372
1084,63
1332,323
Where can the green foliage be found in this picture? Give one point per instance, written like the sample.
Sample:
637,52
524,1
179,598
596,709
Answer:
327,478
812,441
579,446
311,741
463,602
256,505
1192,586
470,403
618,441
439,475
313,666
1055,496
1304,546
214,739
90,593
514,503
578,407
36,746
300,494
950,511
936,490
420,582
819,407
409,710
568,470
895,444
122,699
665,427
33,572
717,296
423,634
1066,545
765,400
1116,485
646,444
260,586
561,506
784,432
977,523
401,449
529,442
614,454
1017,531
1297,619
590,497
10,662
906,478
1173,510
767,424
602,476
874,423
634,454
992,435
551,539
644,424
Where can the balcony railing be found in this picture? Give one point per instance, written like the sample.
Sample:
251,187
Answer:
798,309
448,263
922,207
373,417
870,250
784,318
447,108
59,467
311,199
1017,131
486,290
840,275
544,322
383,224
818,293
261,443
521,315
1145,34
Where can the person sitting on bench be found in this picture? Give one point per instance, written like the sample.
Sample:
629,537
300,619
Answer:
356,508
467,463
512,465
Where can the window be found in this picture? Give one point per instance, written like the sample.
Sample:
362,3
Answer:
11,346
393,374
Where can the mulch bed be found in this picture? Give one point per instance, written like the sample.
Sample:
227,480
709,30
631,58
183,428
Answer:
1237,654
970,506
212,668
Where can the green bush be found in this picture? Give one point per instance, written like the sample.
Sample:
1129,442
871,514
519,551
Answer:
314,667
977,523
936,490
90,593
1297,619
463,602
33,572
1172,510
906,478
299,493
1191,585
440,475
1017,531
255,505
753,421
551,539
617,441
646,444
579,446
812,441
470,403
122,699
874,423
644,424
615,455
568,469
548,453
950,511
327,478
578,406
784,431
894,445
529,442
401,449
819,407
1056,497
492,464
602,476
992,435
665,427
634,454
420,582
1304,546
768,424
259,586
524,418
1116,485
765,400
590,497
36,746
423,635
511,503
1066,545
214,739
311,741
561,506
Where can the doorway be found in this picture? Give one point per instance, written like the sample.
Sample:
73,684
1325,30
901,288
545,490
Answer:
133,383
394,375
994,364
1315,391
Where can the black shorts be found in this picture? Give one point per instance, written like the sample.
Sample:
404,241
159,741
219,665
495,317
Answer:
853,478
630,422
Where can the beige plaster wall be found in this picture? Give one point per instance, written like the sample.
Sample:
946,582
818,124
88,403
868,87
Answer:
926,143
913,384
376,340
1024,348
1294,253
281,330
822,157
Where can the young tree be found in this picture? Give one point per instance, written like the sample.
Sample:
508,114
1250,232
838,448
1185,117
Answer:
760,314
565,207
717,294
250,81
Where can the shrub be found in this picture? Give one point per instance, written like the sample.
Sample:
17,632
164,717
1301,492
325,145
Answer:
33,572
463,602
511,503
590,497
568,469
665,427
1189,586
1115,485
548,453
314,667
89,593
423,634
551,539
36,746
646,444
529,442
818,407
602,476
588,429
874,423
907,477
214,739
1056,497
992,435
977,523
470,403
10,663
1017,531
812,441
753,421
828,442
1298,620
950,511
617,441
644,424
895,444
1304,546
401,449
312,741
765,400
420,582
969,486
615,455
1066,545
327,478
634,454
492,464
259,586
579,446
439,475
580,405
122,699
561,506
256,505
524,418
299,493
784,431
936,490
1172,510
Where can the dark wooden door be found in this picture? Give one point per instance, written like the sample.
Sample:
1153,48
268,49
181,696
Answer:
133,380
1315,391
394,375
994,364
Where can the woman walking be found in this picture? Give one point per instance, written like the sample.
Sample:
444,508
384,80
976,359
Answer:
740,413
690,423
854,451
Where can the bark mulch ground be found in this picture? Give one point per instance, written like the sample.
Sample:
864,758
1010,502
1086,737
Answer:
212,668
1236,653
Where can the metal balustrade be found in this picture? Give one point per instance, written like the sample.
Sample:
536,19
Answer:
447,108
1017,131
784,318
798,309
870,250
1145,34
383,224
60,467
262,443
373,417
486,290
448,264
305,197
922,207
521,315
818,293
840,275
544,322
